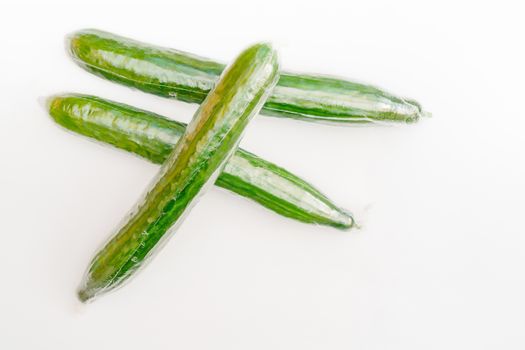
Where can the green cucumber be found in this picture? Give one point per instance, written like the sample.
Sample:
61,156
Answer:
153,137
175,74
197,159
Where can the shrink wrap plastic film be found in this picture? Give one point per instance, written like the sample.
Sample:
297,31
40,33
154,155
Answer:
195,156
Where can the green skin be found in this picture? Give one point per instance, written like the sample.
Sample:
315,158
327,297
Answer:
197,159
175,74
153,137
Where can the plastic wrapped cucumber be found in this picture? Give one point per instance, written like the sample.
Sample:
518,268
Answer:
175,74
208,142
153,137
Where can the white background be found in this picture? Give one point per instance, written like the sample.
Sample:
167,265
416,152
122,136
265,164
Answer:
439,262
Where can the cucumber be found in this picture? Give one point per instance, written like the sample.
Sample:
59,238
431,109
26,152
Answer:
153,137
197,159
176,74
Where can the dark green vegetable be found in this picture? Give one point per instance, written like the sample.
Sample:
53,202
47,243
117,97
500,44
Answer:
197,159
153,137
175,74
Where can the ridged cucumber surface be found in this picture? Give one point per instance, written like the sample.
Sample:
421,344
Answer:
153,137
186,77
197,159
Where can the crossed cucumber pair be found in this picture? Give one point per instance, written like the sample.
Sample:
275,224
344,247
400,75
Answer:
205,151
